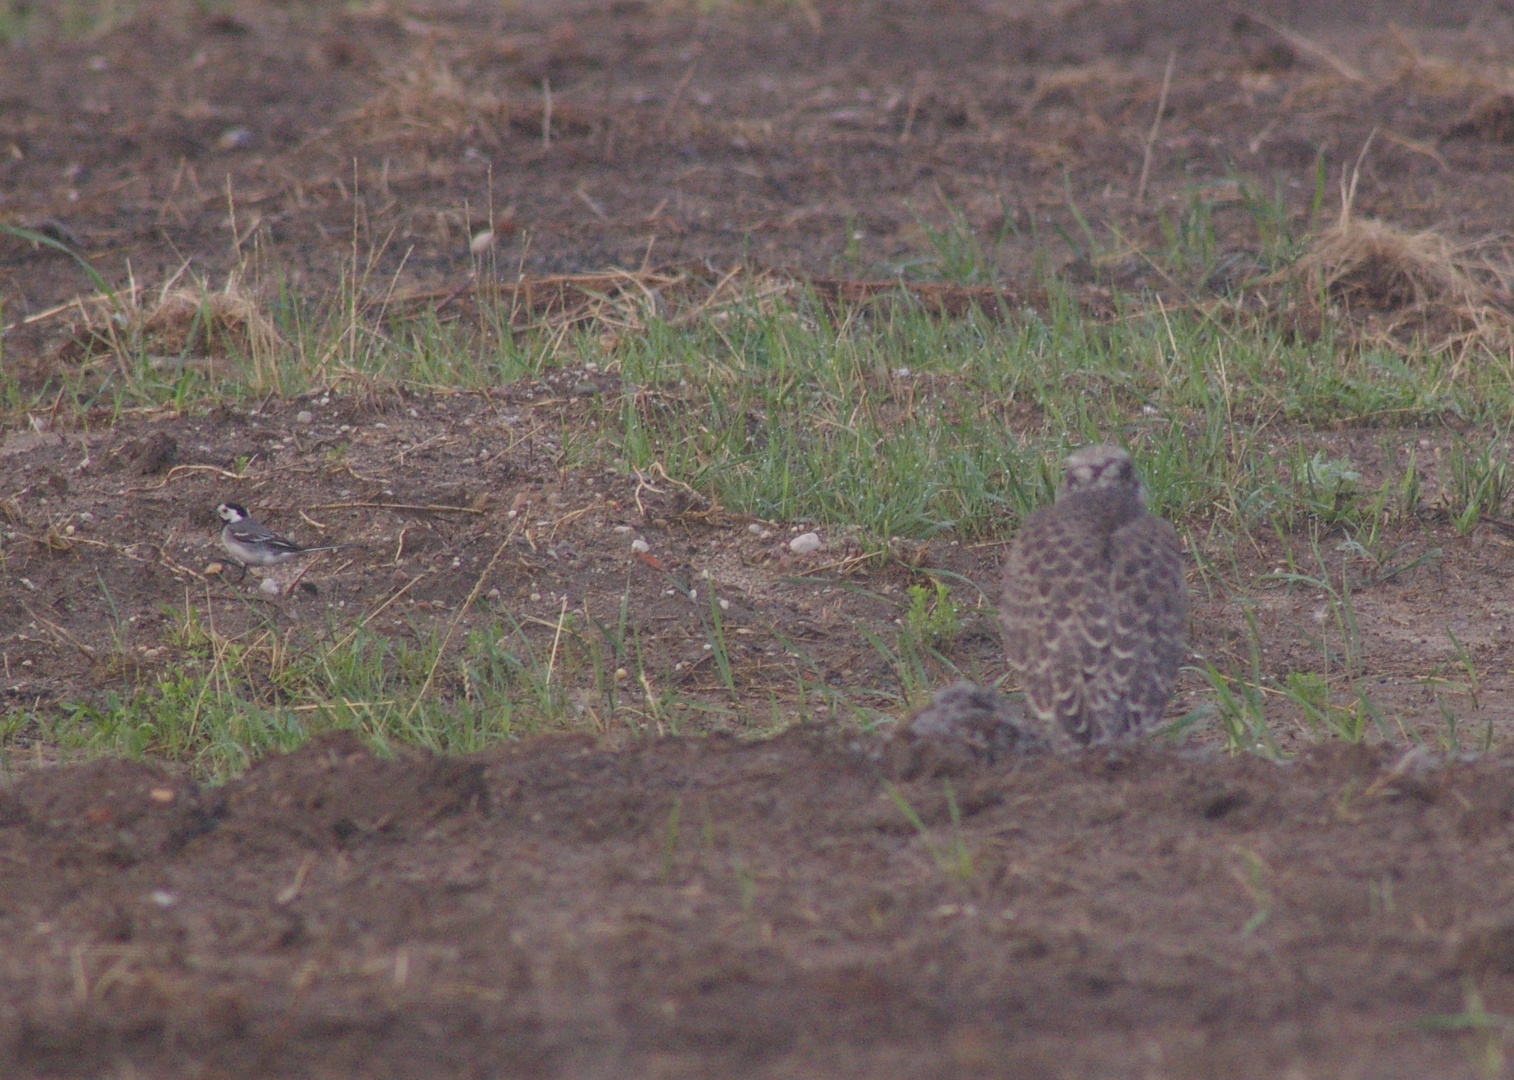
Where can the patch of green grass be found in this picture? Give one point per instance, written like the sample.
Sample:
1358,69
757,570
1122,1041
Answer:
1480,481
23,20
880,422
229,701
954,859
886,420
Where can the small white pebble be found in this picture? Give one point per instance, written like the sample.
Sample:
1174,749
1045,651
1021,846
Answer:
640,545
536,596
271,587
304,416
624,530
725,605
163,898
86,516
755,529
708,647
693,594
493,594
805,543
482,242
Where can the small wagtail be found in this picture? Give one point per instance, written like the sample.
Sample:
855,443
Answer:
251,543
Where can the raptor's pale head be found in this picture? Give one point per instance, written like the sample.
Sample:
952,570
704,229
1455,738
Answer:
1100,467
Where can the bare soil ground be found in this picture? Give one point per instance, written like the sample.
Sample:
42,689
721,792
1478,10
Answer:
693,907
600,904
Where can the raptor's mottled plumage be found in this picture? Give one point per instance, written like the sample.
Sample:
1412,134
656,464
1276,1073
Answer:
1094,603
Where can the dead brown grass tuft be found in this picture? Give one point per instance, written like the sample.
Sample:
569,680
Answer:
425,100
1403,289
200,323
181,326
1372,266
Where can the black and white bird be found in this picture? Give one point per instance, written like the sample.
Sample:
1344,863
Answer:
251,543
1094,606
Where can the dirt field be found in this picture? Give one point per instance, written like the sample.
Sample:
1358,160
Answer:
621,903
698,907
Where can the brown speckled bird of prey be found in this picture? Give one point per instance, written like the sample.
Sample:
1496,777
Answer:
1094,603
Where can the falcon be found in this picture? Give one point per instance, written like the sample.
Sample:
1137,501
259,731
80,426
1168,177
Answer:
1094,604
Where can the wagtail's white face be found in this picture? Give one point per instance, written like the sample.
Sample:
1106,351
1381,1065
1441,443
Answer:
231,512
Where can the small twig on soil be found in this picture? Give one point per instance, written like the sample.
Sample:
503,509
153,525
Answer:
560,522
1156,126
1348,193
439,436
588,200
429,508
366,619
1319,52
546,114
683,83
462,610
77,301
187,468
557,639
287,894
300,576
60,633
1417,146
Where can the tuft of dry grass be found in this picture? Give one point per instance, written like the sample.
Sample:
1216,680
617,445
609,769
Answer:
1402,288
427,99
180,326
190,321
